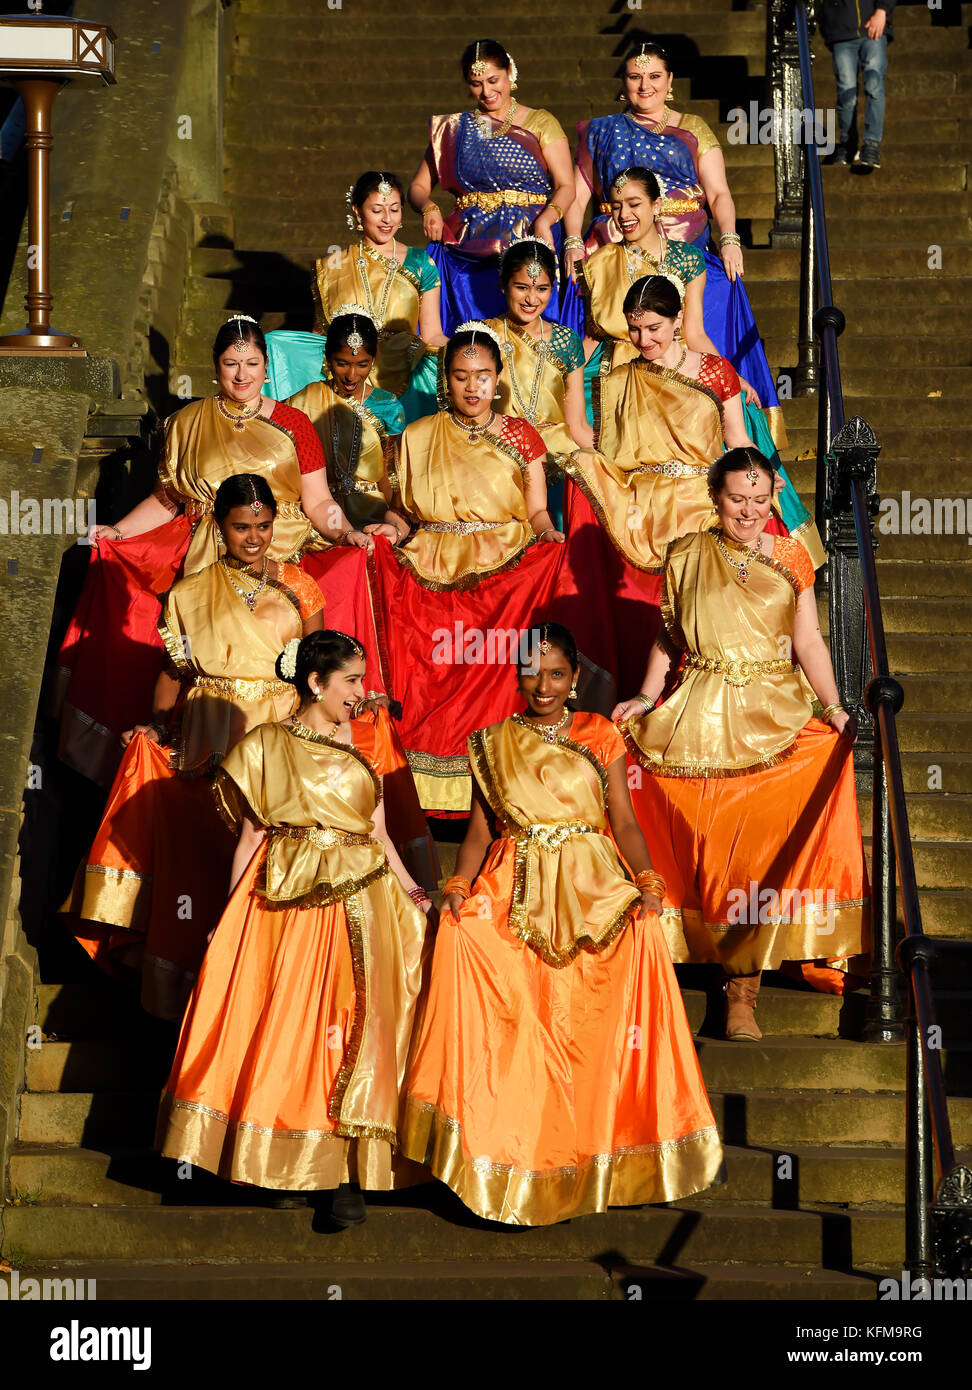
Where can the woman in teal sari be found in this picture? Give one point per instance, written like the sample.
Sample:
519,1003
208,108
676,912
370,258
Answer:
398,287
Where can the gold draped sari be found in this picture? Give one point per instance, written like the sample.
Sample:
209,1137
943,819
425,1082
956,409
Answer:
203,449
358,450
258,1090
551,801
533,384
656,434
226,653
383,285
739,705
468,499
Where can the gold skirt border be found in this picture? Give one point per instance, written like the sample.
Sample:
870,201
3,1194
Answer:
298,1160
748,947
467,580
663,1171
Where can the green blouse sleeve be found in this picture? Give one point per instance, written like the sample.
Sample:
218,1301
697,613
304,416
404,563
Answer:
419,264
687,261
568,346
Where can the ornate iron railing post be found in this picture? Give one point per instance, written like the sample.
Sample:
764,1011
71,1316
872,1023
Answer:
853,454
787,89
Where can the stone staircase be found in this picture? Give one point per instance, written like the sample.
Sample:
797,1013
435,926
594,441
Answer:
813,1123
813,1120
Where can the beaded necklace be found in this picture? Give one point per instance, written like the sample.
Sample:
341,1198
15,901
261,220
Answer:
346,473
529,411
548,732
238,417
466,423
741,567
249,596
485,123
392,267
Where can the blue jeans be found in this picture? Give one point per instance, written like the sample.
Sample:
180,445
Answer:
872,56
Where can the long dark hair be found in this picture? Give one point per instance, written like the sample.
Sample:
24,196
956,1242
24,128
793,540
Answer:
320,653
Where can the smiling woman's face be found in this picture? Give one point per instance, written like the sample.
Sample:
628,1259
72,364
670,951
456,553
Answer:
471,381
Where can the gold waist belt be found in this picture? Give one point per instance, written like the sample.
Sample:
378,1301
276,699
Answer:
500,197
461,528
196,508
551,835
739,672
674,468
322,838
243,689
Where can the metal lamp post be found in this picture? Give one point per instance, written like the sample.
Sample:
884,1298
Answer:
38,54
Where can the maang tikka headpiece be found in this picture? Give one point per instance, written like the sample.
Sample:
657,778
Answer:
354,339
475,326
240,318
752,475
256,505
477,67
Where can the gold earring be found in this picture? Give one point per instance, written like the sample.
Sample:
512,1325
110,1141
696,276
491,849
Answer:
573,693
668,97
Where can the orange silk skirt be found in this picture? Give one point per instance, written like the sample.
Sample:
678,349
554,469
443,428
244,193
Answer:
261,1048
764,867
539,1094
156,878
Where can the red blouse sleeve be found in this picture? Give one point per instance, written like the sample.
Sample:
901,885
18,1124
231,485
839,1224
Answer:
719,375
310,455
524,438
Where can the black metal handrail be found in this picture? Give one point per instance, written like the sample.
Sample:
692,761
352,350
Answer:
846,501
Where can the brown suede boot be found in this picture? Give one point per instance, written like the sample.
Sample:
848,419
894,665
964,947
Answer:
741,992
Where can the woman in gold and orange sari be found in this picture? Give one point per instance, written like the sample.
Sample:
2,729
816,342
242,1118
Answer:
112,654
292,1054
482,560
660,421
147,895
749,799
555,1073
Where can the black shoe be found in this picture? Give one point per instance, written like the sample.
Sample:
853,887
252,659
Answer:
348,1206
840,155
868,157
281,1200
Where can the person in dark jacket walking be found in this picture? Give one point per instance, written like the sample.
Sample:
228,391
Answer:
858,33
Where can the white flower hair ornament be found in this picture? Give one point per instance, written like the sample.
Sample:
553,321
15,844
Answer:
288,660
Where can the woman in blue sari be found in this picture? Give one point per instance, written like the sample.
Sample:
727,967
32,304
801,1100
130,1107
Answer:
684,155
508,166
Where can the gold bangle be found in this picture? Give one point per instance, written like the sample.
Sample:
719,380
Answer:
830,710
555,207
650,882
457,884
430,204
573,243
730,239
648,704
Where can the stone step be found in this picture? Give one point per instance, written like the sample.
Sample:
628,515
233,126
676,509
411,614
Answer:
946,913
77,1068
921,733
904,578
932,816
398,1232
953,769
869,323
853,1174
939,863
922,291
860,350
93,1119
320,1281
519,34
783,1119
